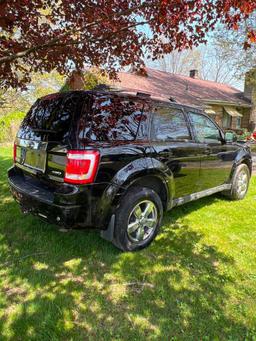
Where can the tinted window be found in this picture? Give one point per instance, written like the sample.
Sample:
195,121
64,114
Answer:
111,118
50,116
170,124
204,128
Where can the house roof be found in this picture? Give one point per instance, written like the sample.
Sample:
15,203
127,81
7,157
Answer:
185,90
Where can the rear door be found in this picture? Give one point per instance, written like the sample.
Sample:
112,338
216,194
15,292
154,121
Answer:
217,157
174,146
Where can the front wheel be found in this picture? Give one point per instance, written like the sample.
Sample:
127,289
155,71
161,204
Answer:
240,183
138,219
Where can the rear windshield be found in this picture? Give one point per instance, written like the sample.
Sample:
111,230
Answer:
112,118
51,116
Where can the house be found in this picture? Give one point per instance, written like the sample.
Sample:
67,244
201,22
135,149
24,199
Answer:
231,108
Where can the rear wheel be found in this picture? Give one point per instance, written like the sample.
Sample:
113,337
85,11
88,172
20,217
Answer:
240,183
138,219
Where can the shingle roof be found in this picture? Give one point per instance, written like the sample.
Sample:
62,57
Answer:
183,89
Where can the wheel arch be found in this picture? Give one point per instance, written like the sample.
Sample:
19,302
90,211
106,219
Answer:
139,172
248,163
243,159
154,182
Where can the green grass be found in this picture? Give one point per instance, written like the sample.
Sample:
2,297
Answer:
199,276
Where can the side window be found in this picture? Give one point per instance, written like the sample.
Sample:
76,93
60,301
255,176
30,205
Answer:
169,124
205,129
112,118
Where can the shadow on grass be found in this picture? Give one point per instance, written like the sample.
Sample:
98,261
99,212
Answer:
76,286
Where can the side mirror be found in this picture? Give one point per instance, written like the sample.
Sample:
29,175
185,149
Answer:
230,136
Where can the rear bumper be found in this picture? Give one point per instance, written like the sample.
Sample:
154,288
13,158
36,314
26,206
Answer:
67,206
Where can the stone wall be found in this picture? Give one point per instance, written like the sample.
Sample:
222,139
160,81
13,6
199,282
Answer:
250,93
246,112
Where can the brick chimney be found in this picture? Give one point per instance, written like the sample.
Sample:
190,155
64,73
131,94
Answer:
139,71
194,74
76,81
250,93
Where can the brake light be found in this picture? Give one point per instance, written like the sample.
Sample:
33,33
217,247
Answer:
82,166
14,152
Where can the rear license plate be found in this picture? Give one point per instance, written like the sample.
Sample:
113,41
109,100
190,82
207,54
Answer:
33,157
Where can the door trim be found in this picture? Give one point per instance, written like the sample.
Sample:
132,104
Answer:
199,195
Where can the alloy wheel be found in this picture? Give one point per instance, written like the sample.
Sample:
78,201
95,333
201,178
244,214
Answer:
142,221
242,183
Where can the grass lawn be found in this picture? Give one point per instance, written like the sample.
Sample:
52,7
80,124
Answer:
197,281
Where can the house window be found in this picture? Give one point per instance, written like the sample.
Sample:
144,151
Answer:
238,122
226,120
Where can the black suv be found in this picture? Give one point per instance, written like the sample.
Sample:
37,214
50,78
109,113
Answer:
115,161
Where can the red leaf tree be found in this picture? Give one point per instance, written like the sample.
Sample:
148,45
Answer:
42,35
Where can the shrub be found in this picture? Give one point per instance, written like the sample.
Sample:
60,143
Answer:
9,125
87,80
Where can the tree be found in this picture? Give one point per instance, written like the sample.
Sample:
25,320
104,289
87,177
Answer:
208,60
179,62
214,67
233,48
14,100
43,35
87,80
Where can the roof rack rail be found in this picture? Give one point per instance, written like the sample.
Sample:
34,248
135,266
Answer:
106,87
143,94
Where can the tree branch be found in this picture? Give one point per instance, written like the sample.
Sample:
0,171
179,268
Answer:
56,42
68,32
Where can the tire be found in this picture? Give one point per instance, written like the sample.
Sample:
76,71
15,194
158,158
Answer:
239,184
139,207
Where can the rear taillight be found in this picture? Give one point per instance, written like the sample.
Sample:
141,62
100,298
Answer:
82,166
14,152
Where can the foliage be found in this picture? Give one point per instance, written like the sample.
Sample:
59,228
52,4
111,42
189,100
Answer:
230,45
195,282
244,135
41,85
65,88
43,35
9,124
92,78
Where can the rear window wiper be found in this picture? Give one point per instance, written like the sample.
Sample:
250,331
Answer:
47,131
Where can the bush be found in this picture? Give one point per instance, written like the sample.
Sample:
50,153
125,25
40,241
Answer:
86,81
9,125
